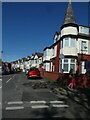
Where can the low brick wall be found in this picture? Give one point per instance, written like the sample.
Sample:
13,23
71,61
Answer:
41,71
81,80
52,75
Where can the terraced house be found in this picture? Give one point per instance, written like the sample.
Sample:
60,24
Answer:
36,59
70,48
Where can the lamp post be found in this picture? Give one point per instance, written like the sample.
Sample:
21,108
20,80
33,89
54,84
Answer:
1,55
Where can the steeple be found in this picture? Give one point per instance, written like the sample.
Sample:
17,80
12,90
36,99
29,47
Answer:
69,16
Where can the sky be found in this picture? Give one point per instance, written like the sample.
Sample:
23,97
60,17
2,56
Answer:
29,27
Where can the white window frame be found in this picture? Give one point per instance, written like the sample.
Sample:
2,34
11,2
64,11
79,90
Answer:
84,46
84,30
69,39
73,63
69,62
64,42
74,42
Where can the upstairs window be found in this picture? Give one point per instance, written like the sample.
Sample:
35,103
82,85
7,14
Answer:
72,42
84,30
66,42
61,45
84,46
46,53
69,42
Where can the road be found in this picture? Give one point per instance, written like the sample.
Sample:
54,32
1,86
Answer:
20,99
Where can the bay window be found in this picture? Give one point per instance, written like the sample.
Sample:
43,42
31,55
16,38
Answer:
66,64
68,42
72,64
72,42
60,65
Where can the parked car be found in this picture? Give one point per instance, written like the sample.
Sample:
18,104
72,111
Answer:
18,70
5,70
33,72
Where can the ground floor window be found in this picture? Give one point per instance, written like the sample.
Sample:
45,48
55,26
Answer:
47,66
72,66
83,69
66,64
65,67
44,66
60,67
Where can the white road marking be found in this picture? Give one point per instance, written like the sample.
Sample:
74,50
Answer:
14,108
0,79
60,105
37,101
14,75
0,87
9,80
40,106
56,101
15,102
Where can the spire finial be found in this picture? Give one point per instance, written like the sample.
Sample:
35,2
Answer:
69,15
70,1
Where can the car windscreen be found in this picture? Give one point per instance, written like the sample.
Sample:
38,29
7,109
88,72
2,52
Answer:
35,69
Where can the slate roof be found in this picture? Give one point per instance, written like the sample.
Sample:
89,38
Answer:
39,54
69,16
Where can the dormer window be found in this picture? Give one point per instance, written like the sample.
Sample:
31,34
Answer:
53,51
55,38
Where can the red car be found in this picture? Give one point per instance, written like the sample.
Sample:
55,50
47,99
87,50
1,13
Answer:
33,72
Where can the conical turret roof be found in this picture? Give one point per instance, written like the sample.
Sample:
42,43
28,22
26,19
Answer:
69,16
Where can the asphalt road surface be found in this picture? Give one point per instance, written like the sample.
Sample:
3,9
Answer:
21,100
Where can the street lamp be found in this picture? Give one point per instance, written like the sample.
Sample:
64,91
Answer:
1,55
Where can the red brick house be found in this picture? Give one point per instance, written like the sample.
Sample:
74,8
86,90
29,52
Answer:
70,49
